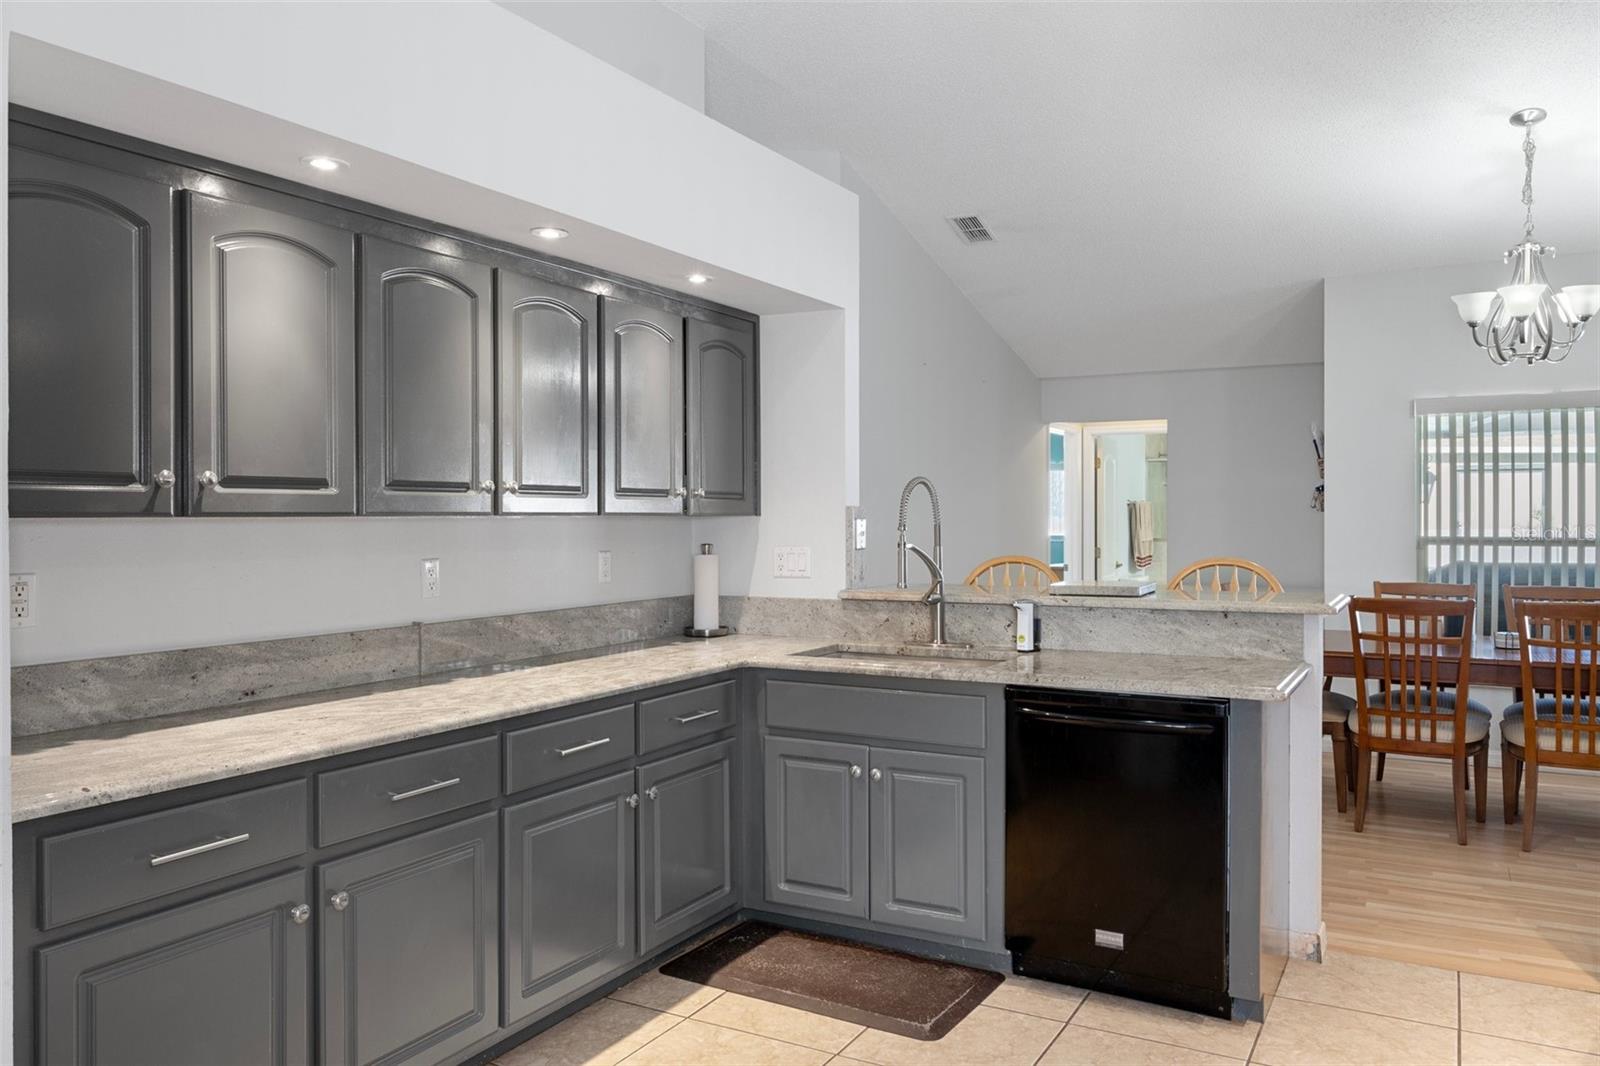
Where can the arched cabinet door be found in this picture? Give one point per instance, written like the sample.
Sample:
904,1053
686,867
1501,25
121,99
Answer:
549,397
427,382
91,340
643,412
272,362
722,416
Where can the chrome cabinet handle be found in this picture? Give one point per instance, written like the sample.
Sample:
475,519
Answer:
564,752
651,793
208,479
685,719
877,774
508,487
855,771
486,486
300,914
199,849
633,800
165,478
395,797
339,900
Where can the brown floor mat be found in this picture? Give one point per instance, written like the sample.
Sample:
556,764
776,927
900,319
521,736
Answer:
902,994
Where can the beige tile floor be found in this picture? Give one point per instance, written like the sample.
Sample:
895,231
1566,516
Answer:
1352,1009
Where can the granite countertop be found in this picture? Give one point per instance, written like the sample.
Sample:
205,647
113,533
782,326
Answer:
57,772
1289,601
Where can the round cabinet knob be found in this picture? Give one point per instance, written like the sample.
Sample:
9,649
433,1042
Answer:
633,800
340,900
300,914
855,771
877,774
208,479
676,494
700,493
165,478
651,793
486,486
509,487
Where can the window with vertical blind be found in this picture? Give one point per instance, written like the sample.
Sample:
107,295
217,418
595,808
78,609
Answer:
1506,494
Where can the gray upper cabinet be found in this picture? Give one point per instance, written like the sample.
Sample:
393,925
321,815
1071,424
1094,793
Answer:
928,842
549,397
643,412
685,842
409,931
272,362
569,892
91,337
427,381
227,979
722,416
816,831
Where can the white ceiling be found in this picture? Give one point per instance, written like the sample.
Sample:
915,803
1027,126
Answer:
1168,182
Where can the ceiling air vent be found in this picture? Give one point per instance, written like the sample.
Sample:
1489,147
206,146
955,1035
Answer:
972,229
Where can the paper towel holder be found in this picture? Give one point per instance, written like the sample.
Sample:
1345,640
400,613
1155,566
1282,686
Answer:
719,631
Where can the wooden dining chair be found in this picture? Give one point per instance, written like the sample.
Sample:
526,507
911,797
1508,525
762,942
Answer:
1418,654
1225,574
1425,590
1336,708
1520,593
1563,633
1012,573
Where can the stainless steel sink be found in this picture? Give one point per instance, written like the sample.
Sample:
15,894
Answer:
912,653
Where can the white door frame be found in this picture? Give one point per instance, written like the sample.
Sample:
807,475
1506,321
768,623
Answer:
1087,503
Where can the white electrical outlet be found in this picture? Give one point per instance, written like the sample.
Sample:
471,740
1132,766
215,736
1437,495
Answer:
603,568
24,601
430,579
861,534
791,562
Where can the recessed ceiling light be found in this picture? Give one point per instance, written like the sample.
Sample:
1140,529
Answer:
325,163
549,233
699,279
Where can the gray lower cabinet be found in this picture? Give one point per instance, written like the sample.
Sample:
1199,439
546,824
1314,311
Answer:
569,892
816,824
686,834
721,411
272,364
93,362
224,980
928,841
427,381
409,935
643,412
549,397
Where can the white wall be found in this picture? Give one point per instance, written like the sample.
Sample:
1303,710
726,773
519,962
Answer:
1240,467
643,38
1391,338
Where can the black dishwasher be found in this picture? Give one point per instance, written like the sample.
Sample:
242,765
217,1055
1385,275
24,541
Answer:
1117,844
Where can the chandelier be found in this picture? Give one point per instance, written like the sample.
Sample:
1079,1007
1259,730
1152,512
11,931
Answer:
1527,319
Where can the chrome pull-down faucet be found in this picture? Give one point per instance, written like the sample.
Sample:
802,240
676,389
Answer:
934,597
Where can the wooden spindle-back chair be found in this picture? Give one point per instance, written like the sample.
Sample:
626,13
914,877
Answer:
1224,574
1012,574
1423,590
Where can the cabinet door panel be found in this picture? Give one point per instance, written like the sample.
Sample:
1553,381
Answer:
685,842
722,416
816,831
644,410
928,841
227,979
409,964
569,892
549,397
272,362
91,340
427,381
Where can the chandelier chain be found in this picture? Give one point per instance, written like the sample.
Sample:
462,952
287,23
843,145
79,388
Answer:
1527,182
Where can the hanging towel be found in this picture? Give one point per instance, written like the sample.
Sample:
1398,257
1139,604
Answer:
1142,533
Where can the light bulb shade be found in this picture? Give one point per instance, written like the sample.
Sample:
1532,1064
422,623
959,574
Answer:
1582,302
1473,307
1521,300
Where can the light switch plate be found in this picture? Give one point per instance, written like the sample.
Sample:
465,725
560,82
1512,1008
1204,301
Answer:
24,601
791,562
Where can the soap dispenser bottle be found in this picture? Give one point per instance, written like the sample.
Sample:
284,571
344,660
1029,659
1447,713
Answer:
1029,625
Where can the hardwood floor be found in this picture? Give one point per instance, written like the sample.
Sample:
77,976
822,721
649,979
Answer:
1404,889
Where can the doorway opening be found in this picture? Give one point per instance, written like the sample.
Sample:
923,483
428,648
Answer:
1108,500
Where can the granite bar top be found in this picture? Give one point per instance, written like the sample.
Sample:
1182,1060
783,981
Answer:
52,773
1289,601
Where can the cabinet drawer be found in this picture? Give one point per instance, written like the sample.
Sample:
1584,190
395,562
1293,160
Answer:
667,720
105,867
891,714
377,795
545,753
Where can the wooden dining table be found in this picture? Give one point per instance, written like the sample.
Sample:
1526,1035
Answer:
1496,667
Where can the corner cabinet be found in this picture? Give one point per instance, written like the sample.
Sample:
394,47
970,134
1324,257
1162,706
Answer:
272,362
427,381
816,814
721,412
643,419
93,359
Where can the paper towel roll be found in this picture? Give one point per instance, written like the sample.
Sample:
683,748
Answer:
705,589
